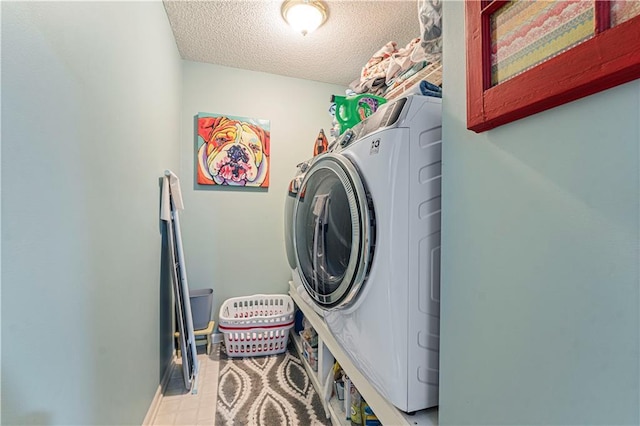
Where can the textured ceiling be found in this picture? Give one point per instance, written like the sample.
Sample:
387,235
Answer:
252,35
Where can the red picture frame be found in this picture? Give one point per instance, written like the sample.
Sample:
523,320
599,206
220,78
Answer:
610,58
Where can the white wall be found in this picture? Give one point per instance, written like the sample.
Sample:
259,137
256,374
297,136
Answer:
234,238
540,247
90,120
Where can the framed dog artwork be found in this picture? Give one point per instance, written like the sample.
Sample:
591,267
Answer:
232,151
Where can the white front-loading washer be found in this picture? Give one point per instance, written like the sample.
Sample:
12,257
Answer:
366,237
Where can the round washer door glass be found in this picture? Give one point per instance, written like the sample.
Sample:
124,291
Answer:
333,238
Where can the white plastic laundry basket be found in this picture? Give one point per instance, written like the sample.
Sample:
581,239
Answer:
256,325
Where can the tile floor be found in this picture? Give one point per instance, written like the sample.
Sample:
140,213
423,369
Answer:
179,406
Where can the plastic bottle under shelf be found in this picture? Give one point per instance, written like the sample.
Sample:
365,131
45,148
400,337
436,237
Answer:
356,403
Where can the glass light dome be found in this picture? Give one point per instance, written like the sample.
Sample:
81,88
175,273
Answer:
304,16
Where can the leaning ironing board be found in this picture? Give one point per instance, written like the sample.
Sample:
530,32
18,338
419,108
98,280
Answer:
171,203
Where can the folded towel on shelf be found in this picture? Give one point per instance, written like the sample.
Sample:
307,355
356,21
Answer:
398,80
409,82
386,64
401,60
430,89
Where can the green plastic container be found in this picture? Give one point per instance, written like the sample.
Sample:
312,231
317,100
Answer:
350,110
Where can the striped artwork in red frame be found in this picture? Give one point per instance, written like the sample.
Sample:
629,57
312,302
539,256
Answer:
609,58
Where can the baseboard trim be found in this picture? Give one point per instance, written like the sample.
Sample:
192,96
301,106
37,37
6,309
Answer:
157,398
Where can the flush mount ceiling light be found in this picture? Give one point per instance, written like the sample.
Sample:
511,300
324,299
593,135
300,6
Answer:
304,16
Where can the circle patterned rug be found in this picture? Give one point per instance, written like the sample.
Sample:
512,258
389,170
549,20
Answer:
269,390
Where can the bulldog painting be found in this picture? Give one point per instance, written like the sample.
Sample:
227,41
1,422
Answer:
233,151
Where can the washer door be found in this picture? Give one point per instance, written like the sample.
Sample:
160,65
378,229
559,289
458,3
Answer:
333,232
289,203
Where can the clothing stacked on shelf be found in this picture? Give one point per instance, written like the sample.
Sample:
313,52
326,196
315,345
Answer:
391,66
385,65
430,75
